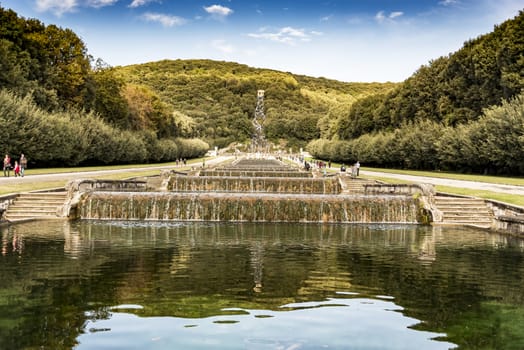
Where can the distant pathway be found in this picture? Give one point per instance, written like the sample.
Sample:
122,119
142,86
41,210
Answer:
66,177
510,189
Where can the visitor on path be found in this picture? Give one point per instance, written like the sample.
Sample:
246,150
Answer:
354,171
307,166
17,169
23,164
357,167
7,165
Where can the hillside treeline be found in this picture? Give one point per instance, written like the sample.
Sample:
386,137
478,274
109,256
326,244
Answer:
492,144
437,118
75,138
48,71
216,101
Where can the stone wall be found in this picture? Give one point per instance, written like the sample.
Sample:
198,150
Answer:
507,218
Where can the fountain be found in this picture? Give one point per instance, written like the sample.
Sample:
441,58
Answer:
250,190
247,198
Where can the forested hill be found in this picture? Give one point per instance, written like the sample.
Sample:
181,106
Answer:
215,100
461,112
452,89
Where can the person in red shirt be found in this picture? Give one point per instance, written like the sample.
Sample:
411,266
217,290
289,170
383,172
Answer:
17,169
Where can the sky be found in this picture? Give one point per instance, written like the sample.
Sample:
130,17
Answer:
346,40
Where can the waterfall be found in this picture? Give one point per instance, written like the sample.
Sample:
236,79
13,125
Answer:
248,207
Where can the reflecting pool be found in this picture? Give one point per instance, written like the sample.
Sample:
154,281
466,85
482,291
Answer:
132,285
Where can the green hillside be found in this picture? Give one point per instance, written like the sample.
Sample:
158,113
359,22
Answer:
461,112
216,100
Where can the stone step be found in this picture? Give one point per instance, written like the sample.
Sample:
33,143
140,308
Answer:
41,205
464,211
34,209
466,218
38,202
459,201
350,185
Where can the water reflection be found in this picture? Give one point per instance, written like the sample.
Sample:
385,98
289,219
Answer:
100,283
336,323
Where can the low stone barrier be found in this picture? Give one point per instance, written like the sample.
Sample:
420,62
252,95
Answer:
5,201
405,189
508,218
76,189
83,185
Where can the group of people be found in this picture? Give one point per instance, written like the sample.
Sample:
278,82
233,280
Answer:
354,170
19,167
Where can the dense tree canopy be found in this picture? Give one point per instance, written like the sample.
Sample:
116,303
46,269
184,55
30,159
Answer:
59,110
453,89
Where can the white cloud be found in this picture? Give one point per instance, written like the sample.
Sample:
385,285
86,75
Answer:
381,16
165,20
218,11
448,2
101,3
223,46
58,7
395,14
139,3
286,35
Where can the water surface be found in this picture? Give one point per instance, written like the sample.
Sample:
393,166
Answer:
122,285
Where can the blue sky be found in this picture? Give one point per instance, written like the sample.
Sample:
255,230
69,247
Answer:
347,40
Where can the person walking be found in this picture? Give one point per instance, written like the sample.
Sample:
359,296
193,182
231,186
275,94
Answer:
23,164
17,169
357,166
7,165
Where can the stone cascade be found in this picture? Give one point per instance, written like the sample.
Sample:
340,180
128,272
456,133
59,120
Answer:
247,184
249,196
248,207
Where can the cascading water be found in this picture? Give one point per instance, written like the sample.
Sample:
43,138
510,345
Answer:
258,142
248,207
246,184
